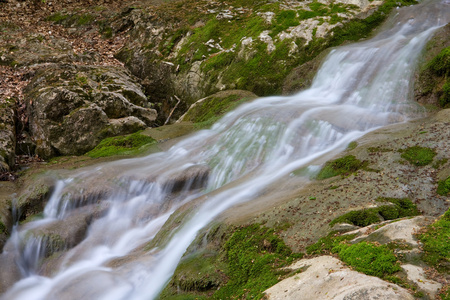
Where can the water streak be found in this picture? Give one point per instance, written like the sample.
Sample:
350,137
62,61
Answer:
359,88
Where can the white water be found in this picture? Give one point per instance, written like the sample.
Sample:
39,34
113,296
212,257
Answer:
359,88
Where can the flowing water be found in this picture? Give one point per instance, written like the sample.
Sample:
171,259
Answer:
359,88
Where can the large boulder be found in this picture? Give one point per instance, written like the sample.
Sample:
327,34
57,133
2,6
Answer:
7,134
72,108
325,277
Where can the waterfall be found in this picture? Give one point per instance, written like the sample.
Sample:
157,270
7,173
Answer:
359,88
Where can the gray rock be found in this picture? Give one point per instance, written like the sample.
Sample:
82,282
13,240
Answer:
72,108
326,277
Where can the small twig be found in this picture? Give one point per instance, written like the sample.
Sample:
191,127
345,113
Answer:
173,109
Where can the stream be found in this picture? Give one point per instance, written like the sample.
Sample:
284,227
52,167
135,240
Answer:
359,88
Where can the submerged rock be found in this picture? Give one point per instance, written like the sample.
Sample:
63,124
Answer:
72,108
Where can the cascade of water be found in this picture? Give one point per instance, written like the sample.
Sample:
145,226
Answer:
359,88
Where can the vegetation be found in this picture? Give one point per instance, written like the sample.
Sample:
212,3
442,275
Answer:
218,43
440,64
249,263
121,145
368,258
325,245
212,108
253,255
436,245
341,166
444,187
418,156
399,208
73,19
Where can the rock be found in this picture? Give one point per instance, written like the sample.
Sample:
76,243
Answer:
302,76
72,108
428,87
416,274
215,105
325,277
7,134
403,230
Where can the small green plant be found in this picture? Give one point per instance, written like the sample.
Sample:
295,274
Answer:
436,243
341,166
121,145
418,156
444,187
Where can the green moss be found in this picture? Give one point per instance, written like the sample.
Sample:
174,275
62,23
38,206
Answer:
444,187
436,245
284,19
444,100
440,64
326,244
74,19
400,208
213,107
58,17
248,263
253,255
404,206
121,145
445,292
198,272
341,166
368,258
418,156
3,228
352,145
361,218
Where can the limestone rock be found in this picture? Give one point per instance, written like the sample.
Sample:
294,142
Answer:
72,108
326,277
417,275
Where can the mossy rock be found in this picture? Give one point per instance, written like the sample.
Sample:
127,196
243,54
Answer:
398,208
211,108
131,144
